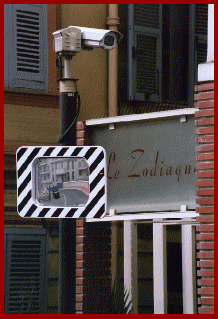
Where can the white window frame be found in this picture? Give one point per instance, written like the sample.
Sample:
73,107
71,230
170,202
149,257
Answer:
160,263
187,220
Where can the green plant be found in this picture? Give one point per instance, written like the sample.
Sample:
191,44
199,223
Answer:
120,301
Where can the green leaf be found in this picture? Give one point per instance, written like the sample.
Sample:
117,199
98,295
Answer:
120,299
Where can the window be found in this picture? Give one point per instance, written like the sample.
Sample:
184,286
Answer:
26,47
157,263
165,44
25,271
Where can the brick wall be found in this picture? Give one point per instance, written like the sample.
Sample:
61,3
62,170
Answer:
93,258
204,130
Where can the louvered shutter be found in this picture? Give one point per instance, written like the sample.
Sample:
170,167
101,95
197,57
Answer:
201,25
144,52
198,24
7,41
25,271
28,52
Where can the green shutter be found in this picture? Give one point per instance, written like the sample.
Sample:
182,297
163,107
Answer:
201,25
198,24
145,52
25,271
27,52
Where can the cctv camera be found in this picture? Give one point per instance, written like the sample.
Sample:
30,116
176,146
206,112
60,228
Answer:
73,39
67,40
95,38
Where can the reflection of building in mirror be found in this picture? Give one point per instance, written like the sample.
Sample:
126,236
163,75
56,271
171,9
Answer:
60,178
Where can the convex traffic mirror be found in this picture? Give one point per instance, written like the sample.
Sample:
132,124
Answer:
61,182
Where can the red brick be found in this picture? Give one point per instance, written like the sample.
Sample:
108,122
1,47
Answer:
80,134
79,239
79,256
205,192
206,310
79,281
206,264
204,105
205,246
204,183
204,96
80,126
204,122
80,222
205,254
79,289
205,139
79,247
80,142
205,228
204,87
204,113
204,165
79,263
205,291
205,218
206,301
204,236
205,201
204,130
205,273
205,210
80,231
79,272
205,282
204,174
204,148
79,298
79,306
205,157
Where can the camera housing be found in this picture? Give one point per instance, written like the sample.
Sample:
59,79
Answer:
72,39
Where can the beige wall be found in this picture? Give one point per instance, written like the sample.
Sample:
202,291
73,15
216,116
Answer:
31,124
90,67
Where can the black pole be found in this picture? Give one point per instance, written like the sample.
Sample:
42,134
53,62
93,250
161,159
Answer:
67,227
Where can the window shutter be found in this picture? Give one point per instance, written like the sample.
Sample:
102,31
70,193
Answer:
201,25
198,22
25,271
7,35
28,54
144,49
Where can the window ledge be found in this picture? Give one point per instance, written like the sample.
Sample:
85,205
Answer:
37,99
206,72
141,117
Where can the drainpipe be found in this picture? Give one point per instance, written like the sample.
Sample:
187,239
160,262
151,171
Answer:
112,22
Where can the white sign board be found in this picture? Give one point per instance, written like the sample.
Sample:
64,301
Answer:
61,181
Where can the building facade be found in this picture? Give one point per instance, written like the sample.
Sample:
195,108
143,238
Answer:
149,103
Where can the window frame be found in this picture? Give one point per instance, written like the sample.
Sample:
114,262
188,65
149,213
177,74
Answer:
160,258
187,94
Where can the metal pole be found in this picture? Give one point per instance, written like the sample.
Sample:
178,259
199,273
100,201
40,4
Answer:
67,227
